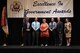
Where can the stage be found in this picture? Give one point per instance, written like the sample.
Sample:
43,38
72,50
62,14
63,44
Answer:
40,49
15,28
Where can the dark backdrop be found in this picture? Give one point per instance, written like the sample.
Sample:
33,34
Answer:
15,26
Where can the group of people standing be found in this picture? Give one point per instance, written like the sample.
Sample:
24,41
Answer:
48,33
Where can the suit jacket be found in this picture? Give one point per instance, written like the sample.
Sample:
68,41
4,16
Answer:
60,27
26,26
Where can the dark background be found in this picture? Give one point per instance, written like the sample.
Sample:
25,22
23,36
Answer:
15,26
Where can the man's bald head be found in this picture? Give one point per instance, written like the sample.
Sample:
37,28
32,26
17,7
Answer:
52,19
36,18
58,18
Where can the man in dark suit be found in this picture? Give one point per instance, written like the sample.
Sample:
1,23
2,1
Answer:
60,31
26,32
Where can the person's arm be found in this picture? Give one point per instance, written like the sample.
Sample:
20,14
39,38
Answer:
41,27
32,25
24,26
70,27
28,29
55,26
61,26
65,28
50,27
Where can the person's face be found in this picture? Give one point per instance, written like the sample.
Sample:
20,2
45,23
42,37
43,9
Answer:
4,7
52,19
66,20
36,19
58,19
44,20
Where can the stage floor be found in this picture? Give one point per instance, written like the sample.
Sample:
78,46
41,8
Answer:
39,47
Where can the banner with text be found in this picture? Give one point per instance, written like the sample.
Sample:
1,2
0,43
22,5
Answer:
39,8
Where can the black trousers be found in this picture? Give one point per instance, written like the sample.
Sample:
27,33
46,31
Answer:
27,38
35,38
54,38
5,39
60,38
44,40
